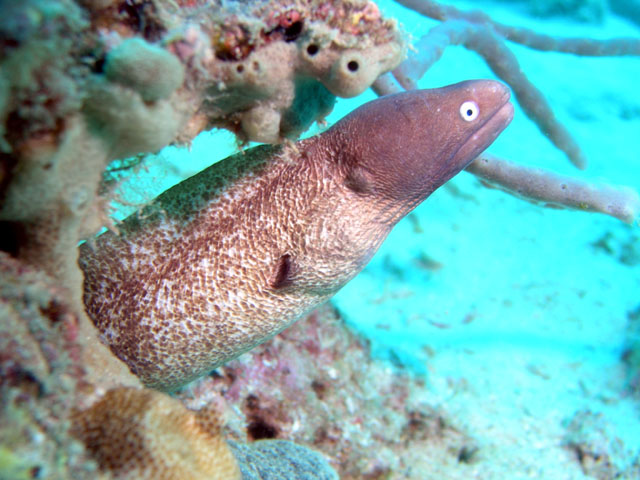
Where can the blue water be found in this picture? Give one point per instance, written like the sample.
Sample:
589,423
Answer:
530,306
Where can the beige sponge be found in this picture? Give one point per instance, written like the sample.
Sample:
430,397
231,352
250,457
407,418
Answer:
143,434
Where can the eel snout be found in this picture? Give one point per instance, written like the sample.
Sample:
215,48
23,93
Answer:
492,99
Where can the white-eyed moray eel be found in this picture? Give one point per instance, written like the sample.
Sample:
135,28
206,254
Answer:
233,255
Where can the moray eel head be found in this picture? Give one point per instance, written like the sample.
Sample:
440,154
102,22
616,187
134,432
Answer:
404,146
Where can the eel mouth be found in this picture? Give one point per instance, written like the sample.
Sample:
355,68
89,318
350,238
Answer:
486,133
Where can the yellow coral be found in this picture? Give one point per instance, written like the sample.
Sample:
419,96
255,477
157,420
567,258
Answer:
143,434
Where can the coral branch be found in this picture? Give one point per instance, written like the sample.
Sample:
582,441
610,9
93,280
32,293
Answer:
529,38
558,191
477,32
539,186
386,85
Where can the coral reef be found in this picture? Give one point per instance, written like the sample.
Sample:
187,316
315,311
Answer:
549,189
84,82
104,80
143,434
149,70
316,384
42,377
266,70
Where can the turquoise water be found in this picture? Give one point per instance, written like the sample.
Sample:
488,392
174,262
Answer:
529,306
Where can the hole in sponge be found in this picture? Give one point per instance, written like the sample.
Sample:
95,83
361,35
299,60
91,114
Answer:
293,31
353,66
259,429
312,49
12,236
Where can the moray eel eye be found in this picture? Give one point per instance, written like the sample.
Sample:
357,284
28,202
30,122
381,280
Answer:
469,111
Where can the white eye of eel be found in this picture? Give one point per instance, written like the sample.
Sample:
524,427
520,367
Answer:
469,111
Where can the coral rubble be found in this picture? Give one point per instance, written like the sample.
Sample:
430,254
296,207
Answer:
315,384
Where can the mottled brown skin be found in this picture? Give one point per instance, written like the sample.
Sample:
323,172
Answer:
228,258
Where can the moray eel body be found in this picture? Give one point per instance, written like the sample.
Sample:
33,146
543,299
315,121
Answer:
231,256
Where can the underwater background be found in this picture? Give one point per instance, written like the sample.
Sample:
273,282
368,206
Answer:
488,338
519,318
